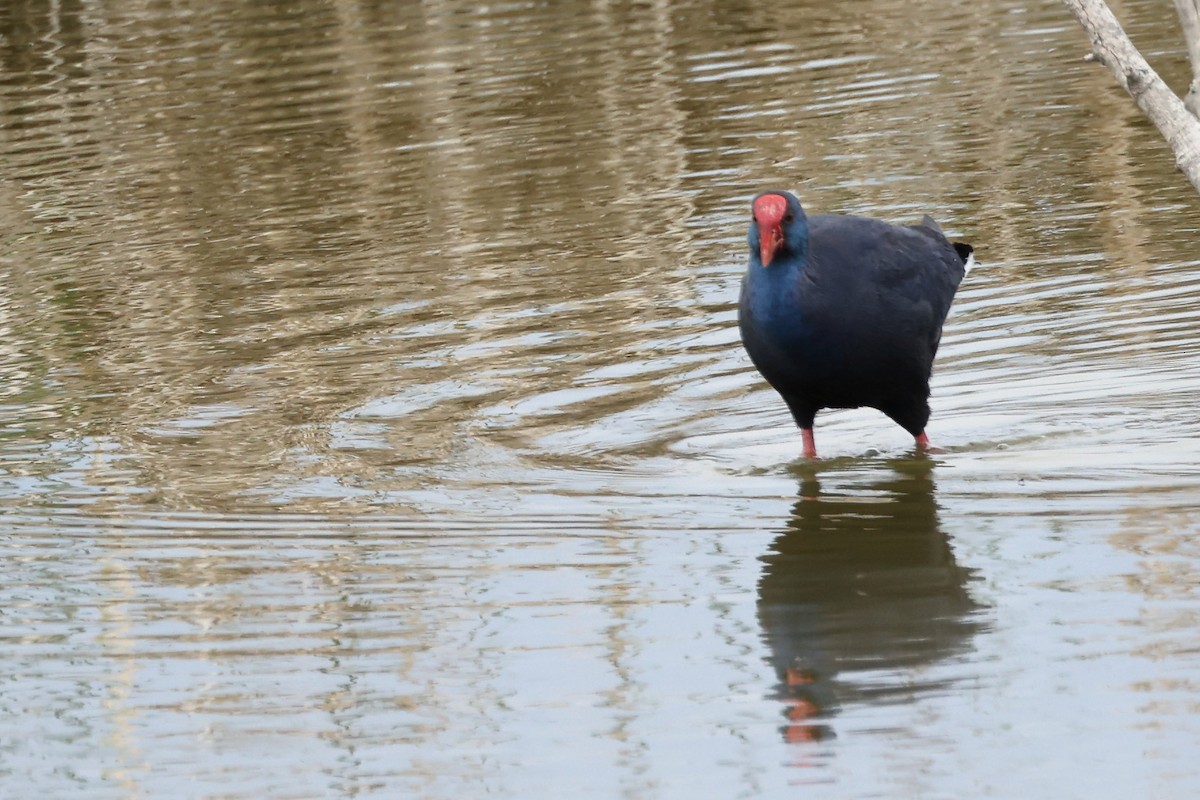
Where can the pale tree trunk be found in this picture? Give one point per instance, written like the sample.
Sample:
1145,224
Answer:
1112,48
1189,18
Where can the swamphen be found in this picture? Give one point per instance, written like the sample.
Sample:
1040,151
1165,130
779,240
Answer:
844,312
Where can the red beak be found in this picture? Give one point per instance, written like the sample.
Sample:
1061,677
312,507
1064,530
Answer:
770,210
770,239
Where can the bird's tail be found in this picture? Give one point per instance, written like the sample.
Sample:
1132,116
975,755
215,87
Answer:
966,253
964,250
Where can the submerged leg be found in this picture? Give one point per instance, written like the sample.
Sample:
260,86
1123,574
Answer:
923,445
810,444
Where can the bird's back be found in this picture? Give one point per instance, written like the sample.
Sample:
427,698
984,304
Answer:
882,279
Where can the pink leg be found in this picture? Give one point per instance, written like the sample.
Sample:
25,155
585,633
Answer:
810,444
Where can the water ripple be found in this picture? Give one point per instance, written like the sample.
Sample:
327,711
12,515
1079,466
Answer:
372,395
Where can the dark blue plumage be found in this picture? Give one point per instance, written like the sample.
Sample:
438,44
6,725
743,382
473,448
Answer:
843,312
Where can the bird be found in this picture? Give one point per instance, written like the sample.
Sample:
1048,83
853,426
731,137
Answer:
840,311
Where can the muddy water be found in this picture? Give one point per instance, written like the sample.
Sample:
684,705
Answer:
373,420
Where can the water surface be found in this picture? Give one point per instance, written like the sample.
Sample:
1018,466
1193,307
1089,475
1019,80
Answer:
374,421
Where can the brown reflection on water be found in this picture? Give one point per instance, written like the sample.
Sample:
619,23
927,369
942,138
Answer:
321,205
860,595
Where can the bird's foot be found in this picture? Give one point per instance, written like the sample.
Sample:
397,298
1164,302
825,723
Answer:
923,445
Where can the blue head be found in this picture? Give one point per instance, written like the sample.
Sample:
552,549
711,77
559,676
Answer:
779,231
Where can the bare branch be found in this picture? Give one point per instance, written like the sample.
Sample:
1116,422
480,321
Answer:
1113,49
1189,18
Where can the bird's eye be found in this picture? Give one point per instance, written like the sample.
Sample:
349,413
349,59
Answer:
788,217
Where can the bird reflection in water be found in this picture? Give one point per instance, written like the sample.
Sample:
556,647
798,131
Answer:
860,592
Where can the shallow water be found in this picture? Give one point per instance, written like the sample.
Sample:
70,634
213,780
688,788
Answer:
374,421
